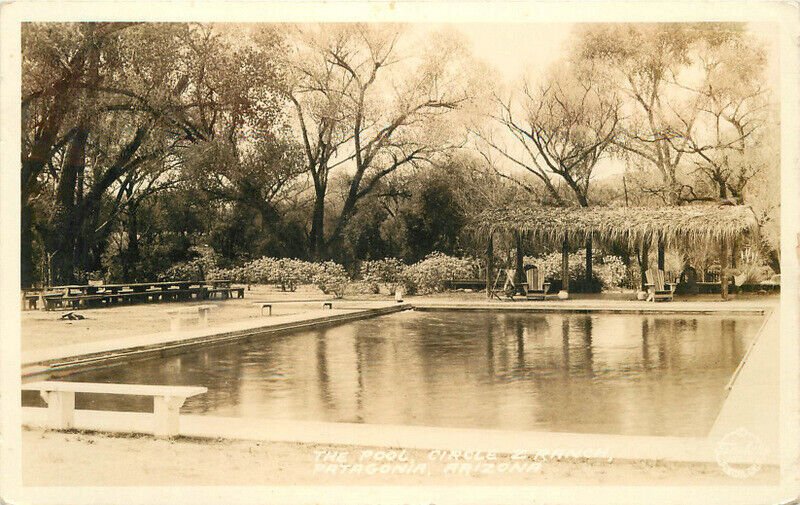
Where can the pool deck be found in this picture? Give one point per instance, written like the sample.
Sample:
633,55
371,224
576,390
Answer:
752,402
68,358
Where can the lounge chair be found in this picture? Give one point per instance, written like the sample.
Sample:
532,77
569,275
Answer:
509,289
773,281
657,288
537,288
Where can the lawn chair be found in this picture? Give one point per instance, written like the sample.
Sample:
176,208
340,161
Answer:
537,288
657,288
509,288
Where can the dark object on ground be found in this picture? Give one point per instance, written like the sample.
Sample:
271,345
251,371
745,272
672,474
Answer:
72,316
688,282
473,284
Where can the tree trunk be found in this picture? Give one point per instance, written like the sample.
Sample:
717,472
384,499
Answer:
644,252
519,260
65,220
489,266
27,276
723,190
565,265
131,257
660,252
589,263
317,238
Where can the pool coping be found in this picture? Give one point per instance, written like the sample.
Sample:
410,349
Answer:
386,436
588,308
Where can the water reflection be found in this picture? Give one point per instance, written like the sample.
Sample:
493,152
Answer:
601,373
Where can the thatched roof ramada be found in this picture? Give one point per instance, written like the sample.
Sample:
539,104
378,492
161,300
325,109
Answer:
691,223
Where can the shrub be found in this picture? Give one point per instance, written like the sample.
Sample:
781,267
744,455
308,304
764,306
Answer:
751,267
387,272
201,267
288,273
331,278
607,270
431,274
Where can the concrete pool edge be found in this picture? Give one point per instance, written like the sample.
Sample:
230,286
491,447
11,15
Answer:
549,307
104,353
751,409
545,444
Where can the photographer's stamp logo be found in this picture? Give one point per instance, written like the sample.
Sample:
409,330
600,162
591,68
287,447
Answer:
740,454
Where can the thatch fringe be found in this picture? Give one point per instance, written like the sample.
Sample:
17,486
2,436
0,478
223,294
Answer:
634,225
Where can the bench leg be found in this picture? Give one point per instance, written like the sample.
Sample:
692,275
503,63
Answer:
165,414
60,409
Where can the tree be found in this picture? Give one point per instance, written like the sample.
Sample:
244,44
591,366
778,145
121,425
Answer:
360,105
733,109
126,102
694,99
565,127
58,62
643,61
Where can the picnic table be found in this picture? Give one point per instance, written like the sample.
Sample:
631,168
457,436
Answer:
94,295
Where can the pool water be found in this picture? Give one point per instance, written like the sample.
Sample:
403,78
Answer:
593,373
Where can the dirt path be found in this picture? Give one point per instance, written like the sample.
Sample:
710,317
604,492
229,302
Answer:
83,459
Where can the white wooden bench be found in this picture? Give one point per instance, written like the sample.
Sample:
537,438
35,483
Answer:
197,313
167,401
264,305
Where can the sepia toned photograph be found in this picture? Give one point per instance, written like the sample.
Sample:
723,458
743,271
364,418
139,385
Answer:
376,256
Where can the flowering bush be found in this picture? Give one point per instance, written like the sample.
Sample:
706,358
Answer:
608,271
288,273
331,278
387,271
751,268
284,272
431,274
203,266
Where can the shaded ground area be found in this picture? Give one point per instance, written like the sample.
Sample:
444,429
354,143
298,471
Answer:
43,329
83,459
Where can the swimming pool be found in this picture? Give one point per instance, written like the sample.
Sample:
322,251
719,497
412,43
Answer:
632,374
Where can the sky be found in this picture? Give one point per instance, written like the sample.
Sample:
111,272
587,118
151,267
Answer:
518,49
514,49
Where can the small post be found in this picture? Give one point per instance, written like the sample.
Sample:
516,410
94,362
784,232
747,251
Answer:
565,267
489,265
644,253
202,312
723,268
165,415
60,409
589,273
